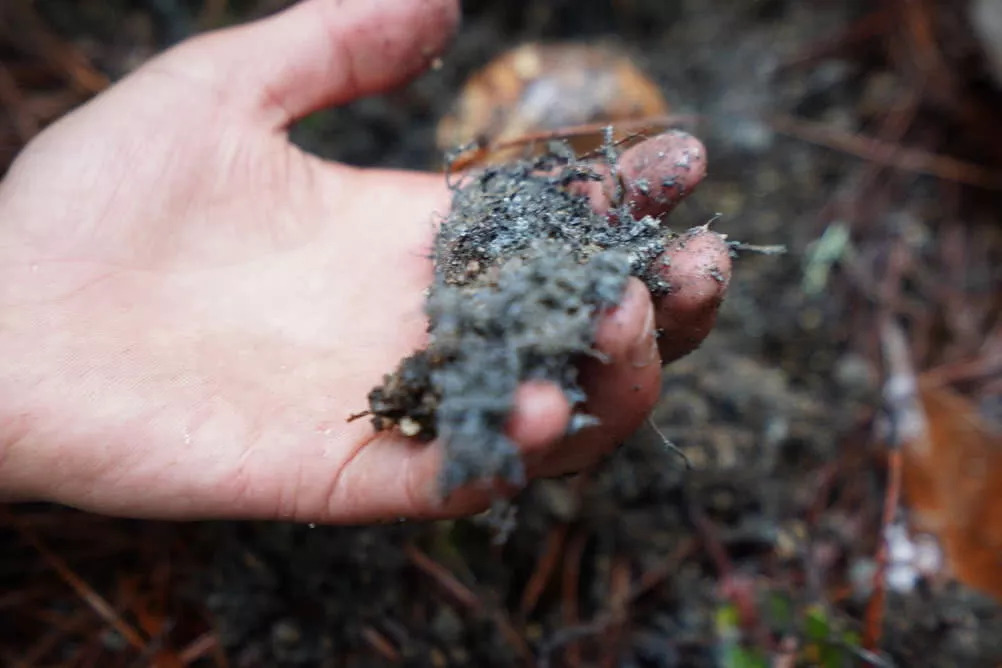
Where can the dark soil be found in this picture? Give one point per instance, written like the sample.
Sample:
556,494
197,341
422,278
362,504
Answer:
524,267
765,543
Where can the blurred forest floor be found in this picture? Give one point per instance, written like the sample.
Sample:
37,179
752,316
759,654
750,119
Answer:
863,136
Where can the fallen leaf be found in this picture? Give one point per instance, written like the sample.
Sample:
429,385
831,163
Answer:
952,480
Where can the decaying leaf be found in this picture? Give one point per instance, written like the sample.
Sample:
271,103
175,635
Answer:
537,88
952,476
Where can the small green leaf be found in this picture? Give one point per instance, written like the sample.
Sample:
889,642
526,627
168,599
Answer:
816,623
779,610
735,656
731,653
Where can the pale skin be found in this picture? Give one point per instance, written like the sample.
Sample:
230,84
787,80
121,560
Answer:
191,307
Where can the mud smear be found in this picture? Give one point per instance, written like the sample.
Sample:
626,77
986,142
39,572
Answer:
524,266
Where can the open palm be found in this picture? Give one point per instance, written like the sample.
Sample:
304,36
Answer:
192,307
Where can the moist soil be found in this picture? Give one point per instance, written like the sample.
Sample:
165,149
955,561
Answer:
524,266
760,537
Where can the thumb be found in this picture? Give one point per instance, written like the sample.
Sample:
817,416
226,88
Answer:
316,54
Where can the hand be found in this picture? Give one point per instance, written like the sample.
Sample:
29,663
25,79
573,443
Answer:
191,307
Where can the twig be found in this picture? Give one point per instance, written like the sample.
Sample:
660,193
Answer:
380,644
906,422
823,483
983,369
47,106
448,582
655,576
467,598
888,154
477,151
48,642
546,564
711,541
213,14
570,585
871,657
357,416
96,602
774,249
25,124
892,130
619,598
15,599
570,634
198,648
873,24
668,444
30,31
874,617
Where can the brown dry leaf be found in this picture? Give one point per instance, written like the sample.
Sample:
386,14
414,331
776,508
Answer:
952,479
537,88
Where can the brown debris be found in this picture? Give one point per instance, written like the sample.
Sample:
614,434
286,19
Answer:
889,155
953,481
534,89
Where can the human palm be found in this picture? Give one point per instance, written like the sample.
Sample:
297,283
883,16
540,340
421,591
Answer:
192,306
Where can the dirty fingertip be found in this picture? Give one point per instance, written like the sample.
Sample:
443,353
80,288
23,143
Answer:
697,267
540,416
660,172
622,387
623,329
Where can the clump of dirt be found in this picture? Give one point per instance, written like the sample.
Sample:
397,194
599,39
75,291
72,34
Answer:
523,268
641,562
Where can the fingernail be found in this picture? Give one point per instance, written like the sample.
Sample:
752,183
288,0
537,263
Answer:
644,350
